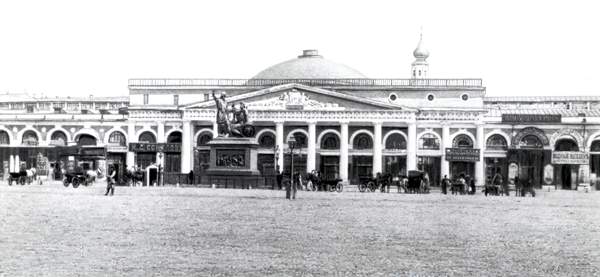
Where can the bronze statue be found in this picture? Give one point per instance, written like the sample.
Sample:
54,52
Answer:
236,125
222,120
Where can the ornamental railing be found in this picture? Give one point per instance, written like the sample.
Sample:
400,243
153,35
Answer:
133,83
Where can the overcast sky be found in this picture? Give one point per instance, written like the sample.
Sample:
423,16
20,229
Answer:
79,47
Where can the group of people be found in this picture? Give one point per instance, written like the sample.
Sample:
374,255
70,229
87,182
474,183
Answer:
464,184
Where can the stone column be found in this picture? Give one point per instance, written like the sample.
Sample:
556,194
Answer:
280,143
411,147
344,152
377,149
480,165
131,138
311,156
446,143
186,147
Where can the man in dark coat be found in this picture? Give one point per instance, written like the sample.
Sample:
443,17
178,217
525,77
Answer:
445,183
110,181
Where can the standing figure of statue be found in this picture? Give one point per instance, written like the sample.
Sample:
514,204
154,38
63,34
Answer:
223,125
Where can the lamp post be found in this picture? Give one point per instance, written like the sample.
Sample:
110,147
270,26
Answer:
292,145
159,177
276,152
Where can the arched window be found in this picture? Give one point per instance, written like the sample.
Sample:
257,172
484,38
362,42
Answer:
566,145
530,141
496,142
330,141
30,138
462,141
147,137
117,138
174,137
395,142
203,139
301,140
58,138
266,140
429,142
4,138
595,147
362,141
86,139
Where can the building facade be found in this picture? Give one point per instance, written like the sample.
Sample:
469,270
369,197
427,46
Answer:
347,125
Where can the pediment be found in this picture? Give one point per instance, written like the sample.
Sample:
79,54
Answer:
301,97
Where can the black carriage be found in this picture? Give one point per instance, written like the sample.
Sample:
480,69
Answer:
20,178
75,179
415,182
368,183
332,185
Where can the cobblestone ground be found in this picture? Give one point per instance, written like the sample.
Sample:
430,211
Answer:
56,231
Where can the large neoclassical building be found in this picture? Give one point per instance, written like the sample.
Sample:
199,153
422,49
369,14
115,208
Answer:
347,126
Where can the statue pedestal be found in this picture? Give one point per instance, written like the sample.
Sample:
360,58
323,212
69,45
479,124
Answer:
233,157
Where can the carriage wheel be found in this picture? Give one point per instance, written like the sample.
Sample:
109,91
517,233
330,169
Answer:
362,187
75,183
332,188
371,186
339,187
66,182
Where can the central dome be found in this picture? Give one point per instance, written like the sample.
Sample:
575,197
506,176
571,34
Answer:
310,65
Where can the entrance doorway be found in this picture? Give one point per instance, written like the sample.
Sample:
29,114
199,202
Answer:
362,167
330,167
462,168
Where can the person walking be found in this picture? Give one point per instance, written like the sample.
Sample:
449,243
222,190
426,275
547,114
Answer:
110,181
295,183
445,183
472,185
279,178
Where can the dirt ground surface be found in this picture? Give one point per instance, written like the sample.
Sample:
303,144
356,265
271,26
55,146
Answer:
51,230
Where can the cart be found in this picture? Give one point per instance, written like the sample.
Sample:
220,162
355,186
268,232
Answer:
20,178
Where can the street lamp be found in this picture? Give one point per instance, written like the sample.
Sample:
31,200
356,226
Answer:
160,179
292,145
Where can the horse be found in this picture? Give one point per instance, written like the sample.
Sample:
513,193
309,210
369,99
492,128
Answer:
133,177
90,177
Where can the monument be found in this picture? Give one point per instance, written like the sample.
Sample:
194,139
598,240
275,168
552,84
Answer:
233,153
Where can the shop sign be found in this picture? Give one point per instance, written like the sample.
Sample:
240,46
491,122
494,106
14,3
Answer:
154,147
528,118
93,152
462,154
570,157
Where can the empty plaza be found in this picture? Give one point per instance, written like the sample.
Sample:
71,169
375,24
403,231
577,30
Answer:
56,231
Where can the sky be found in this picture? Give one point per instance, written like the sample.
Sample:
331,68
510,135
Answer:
77,48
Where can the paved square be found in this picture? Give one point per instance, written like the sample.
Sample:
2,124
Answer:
55,231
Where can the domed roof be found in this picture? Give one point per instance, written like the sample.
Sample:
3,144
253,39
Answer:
420,52
310,65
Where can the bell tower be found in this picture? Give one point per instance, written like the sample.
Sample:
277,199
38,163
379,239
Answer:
420,66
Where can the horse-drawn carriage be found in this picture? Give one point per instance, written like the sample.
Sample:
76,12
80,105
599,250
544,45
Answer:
417,182
381,182
78,178
24,177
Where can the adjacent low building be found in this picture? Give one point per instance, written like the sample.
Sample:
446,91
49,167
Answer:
347,125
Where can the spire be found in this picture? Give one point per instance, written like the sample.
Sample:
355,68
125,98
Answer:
420,66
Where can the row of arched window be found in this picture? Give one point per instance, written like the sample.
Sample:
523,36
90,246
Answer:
31,138
394,141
